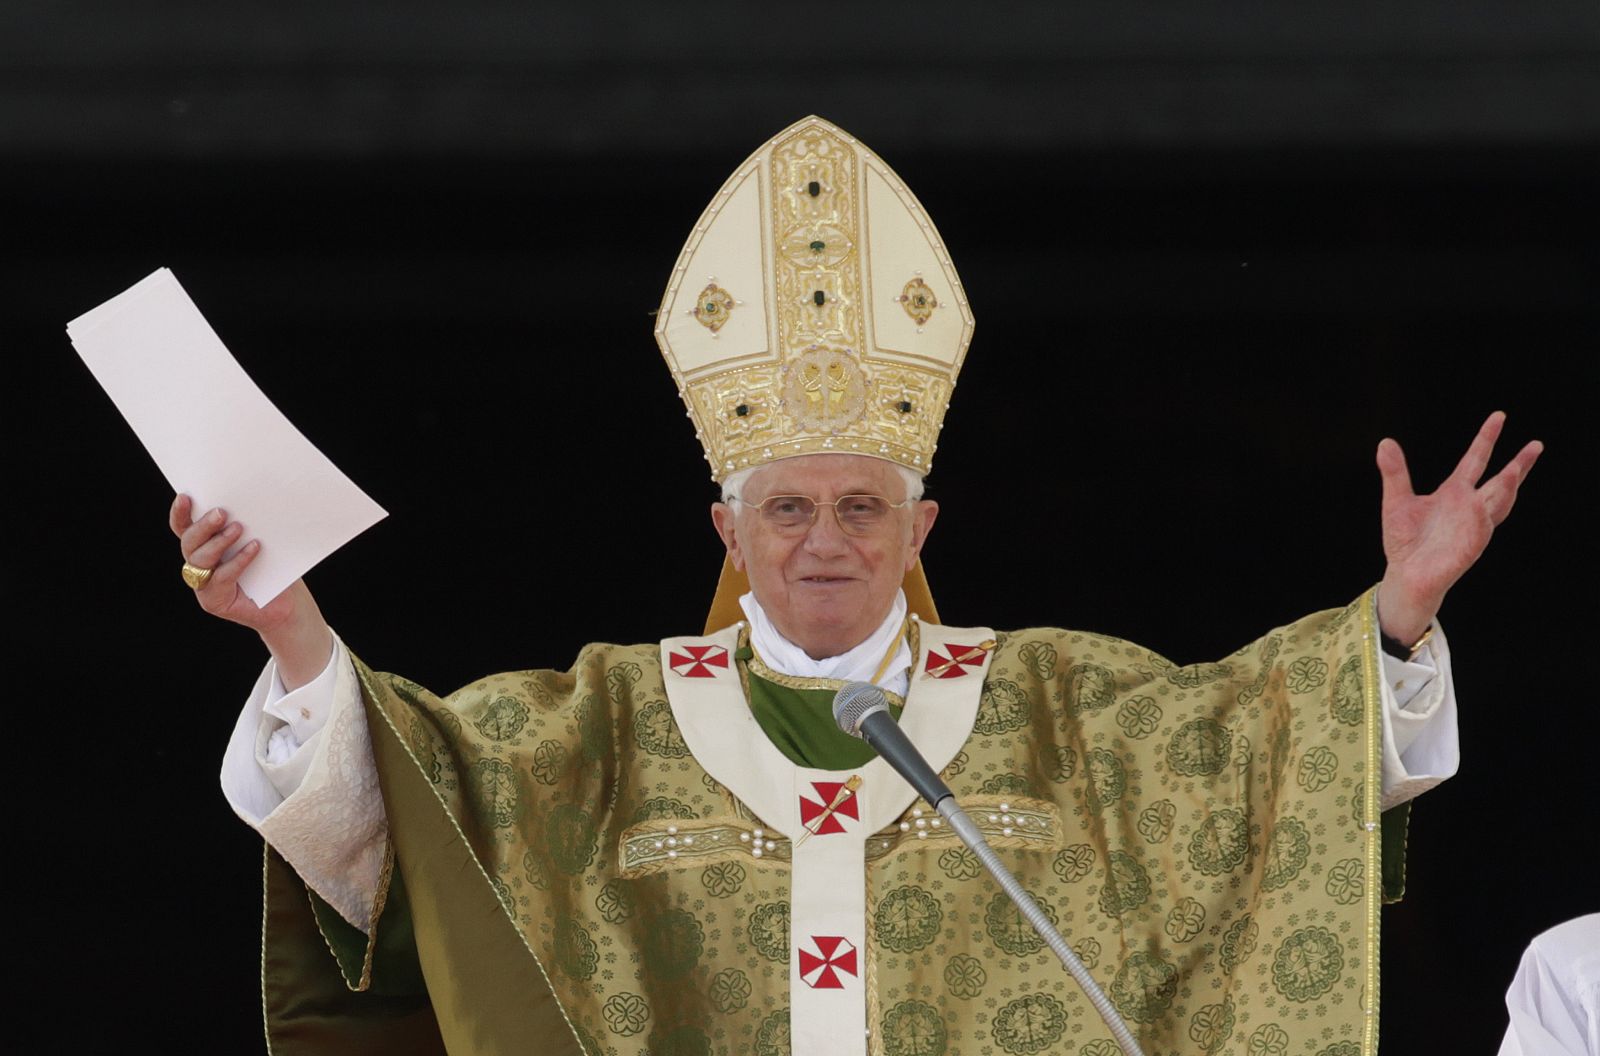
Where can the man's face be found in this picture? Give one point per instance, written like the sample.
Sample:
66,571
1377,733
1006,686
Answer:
826,591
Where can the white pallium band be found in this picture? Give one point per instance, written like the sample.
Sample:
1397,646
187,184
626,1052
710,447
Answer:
828,895
828,903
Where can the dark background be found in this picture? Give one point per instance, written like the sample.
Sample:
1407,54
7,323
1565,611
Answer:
1216,252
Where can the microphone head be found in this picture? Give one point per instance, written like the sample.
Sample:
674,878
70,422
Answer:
854,702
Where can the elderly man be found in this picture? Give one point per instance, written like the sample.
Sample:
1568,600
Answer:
672,849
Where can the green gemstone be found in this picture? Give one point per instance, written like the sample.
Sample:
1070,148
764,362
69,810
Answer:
818,246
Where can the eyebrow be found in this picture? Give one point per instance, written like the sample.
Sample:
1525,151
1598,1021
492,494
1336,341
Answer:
853,489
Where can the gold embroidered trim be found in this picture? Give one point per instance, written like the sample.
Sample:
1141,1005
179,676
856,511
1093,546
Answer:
381,899
714,307
1371,814
918,301
1005,821
874,1002
818,240
888,657
385,874
766,673
369,692
681,843
266,906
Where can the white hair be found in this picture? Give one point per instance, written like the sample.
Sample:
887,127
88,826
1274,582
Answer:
734,486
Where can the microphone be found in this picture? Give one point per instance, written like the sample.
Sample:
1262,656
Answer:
861,710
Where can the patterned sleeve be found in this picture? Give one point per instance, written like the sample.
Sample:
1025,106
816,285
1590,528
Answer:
327,820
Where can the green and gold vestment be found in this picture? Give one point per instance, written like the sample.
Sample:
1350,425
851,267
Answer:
1207,837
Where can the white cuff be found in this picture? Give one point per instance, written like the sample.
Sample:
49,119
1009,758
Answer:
321,807
1421,740
263,764
303,711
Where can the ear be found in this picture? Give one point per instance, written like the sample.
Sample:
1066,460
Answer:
723,518
922,518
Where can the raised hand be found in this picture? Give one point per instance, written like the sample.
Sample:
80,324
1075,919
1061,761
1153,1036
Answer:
1431,540
290,624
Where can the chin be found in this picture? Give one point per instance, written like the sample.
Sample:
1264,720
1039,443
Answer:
841,626
822,643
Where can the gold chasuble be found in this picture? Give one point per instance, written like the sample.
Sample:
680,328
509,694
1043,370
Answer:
616,859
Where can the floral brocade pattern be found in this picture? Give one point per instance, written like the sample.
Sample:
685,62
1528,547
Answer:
1209,865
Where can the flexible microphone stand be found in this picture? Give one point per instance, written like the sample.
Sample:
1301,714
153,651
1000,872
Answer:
861,710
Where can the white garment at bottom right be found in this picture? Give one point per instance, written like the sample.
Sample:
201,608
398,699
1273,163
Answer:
1554,1001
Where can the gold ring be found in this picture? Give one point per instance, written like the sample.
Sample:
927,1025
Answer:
195,577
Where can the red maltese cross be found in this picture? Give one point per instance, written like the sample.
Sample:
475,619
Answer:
955,665
820,970
838,800
696,661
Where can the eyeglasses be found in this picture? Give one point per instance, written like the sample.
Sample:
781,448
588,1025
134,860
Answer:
857,514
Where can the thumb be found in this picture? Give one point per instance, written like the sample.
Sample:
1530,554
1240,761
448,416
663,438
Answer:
1392,469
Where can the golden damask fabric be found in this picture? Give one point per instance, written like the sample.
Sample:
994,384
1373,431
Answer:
1205,836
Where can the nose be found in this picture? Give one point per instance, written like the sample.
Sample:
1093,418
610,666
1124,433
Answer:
826,536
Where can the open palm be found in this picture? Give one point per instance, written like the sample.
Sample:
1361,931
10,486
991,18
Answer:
1431,540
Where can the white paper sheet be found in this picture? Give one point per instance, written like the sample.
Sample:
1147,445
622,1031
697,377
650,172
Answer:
215,436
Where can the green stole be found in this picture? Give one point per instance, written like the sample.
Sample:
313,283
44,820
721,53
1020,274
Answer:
799,723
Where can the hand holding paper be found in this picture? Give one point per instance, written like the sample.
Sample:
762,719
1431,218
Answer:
215,435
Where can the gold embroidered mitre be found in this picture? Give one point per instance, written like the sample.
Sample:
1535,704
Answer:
814,309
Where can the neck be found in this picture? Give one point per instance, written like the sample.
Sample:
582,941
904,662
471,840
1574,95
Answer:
881,657
818,649
822,650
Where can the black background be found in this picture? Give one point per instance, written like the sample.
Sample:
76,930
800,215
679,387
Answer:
1213,260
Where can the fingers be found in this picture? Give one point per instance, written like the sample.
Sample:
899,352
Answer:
224,579
196,535
209,553
1500,493
178,518
1476,460
204,543
1392,468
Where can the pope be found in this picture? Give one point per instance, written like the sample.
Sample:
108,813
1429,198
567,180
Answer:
670,848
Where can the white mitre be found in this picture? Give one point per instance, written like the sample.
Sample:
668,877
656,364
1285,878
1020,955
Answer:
814,309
